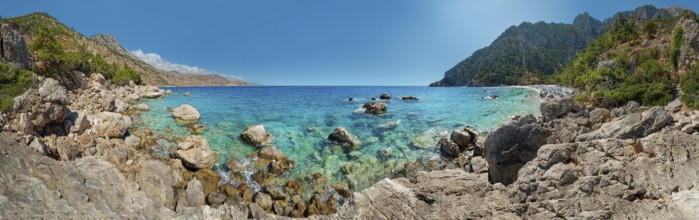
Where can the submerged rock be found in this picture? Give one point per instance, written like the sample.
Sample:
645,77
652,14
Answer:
255,135
196,128
375,107
195,153
186,113
341,135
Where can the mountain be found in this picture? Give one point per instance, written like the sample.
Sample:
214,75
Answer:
644,56
59,50
529,53
524,54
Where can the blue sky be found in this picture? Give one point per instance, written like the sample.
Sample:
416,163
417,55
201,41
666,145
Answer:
316,42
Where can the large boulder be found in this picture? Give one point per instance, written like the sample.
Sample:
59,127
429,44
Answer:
554,109
634,125
342,136
195,194
195,153
156,180
255,135
511,146
13,48
44,106
186,113
375,107
110,124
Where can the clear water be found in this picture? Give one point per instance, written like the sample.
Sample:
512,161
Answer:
300,118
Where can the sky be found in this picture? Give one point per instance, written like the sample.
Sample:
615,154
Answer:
314,42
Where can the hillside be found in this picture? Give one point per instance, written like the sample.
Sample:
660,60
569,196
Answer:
642,57
60,50
529,53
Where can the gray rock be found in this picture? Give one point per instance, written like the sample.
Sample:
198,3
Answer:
216,198
195,193
255,135
556,108
509,147
264,201
110,124
341,135
80,124
13,48
141,107
186,113
448,148
462,138
156,181
44,107
479,165
633,125
600,115
632,107
195,153
375,107
674,106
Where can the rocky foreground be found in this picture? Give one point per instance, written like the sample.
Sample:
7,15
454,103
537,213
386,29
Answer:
75,154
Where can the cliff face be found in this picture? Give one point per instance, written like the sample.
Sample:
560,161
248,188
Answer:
527,53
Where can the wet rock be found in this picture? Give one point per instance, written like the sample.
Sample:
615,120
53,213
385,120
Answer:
556,108
342,189
293,187
384,154
341,135
264,201
272,157
195,193
255,135
209,180
385,96
375,107
448,148
509,147
410,98
186,113
216,198
110,124
196,128
195,153
276,192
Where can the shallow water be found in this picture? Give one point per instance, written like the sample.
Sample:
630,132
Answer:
300,118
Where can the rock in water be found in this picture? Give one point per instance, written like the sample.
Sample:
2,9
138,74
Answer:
385,96
511,146
449,148
413,98
255,135
341,135
186,113
141,107
556,108
375,107
195,153
196,128
110,124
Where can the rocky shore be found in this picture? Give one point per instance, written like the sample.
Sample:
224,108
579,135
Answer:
77,154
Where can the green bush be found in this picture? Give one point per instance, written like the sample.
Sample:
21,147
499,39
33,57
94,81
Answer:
13,82
650,28
689,83
675,46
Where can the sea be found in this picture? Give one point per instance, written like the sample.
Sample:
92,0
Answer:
299,119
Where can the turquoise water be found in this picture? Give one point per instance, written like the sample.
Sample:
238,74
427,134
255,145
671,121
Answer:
300,118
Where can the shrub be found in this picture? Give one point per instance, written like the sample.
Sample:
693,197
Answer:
650,28
689,83
675,46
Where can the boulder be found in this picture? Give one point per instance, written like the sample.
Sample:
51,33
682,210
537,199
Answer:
255,135
209,180
271,160
385,96
276,192
634,125
511,146
448,148
462,138
479,165
375,107
408,98
554,109
342,136
600,115
44,106
141,107
110,124
80,123
13,48
156,180
632,107
186,113
264,200
216,198
195,194
195,153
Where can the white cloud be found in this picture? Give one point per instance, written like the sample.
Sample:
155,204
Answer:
159,63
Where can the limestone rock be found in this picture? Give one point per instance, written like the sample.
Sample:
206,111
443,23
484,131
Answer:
110,124
195,193
600,115
479,165
556,108
255,135
156,180
195,153
341,135
509,147
186,113
448,148
634,125
375,107
141,107
13,48
209,180
216,198
264,201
